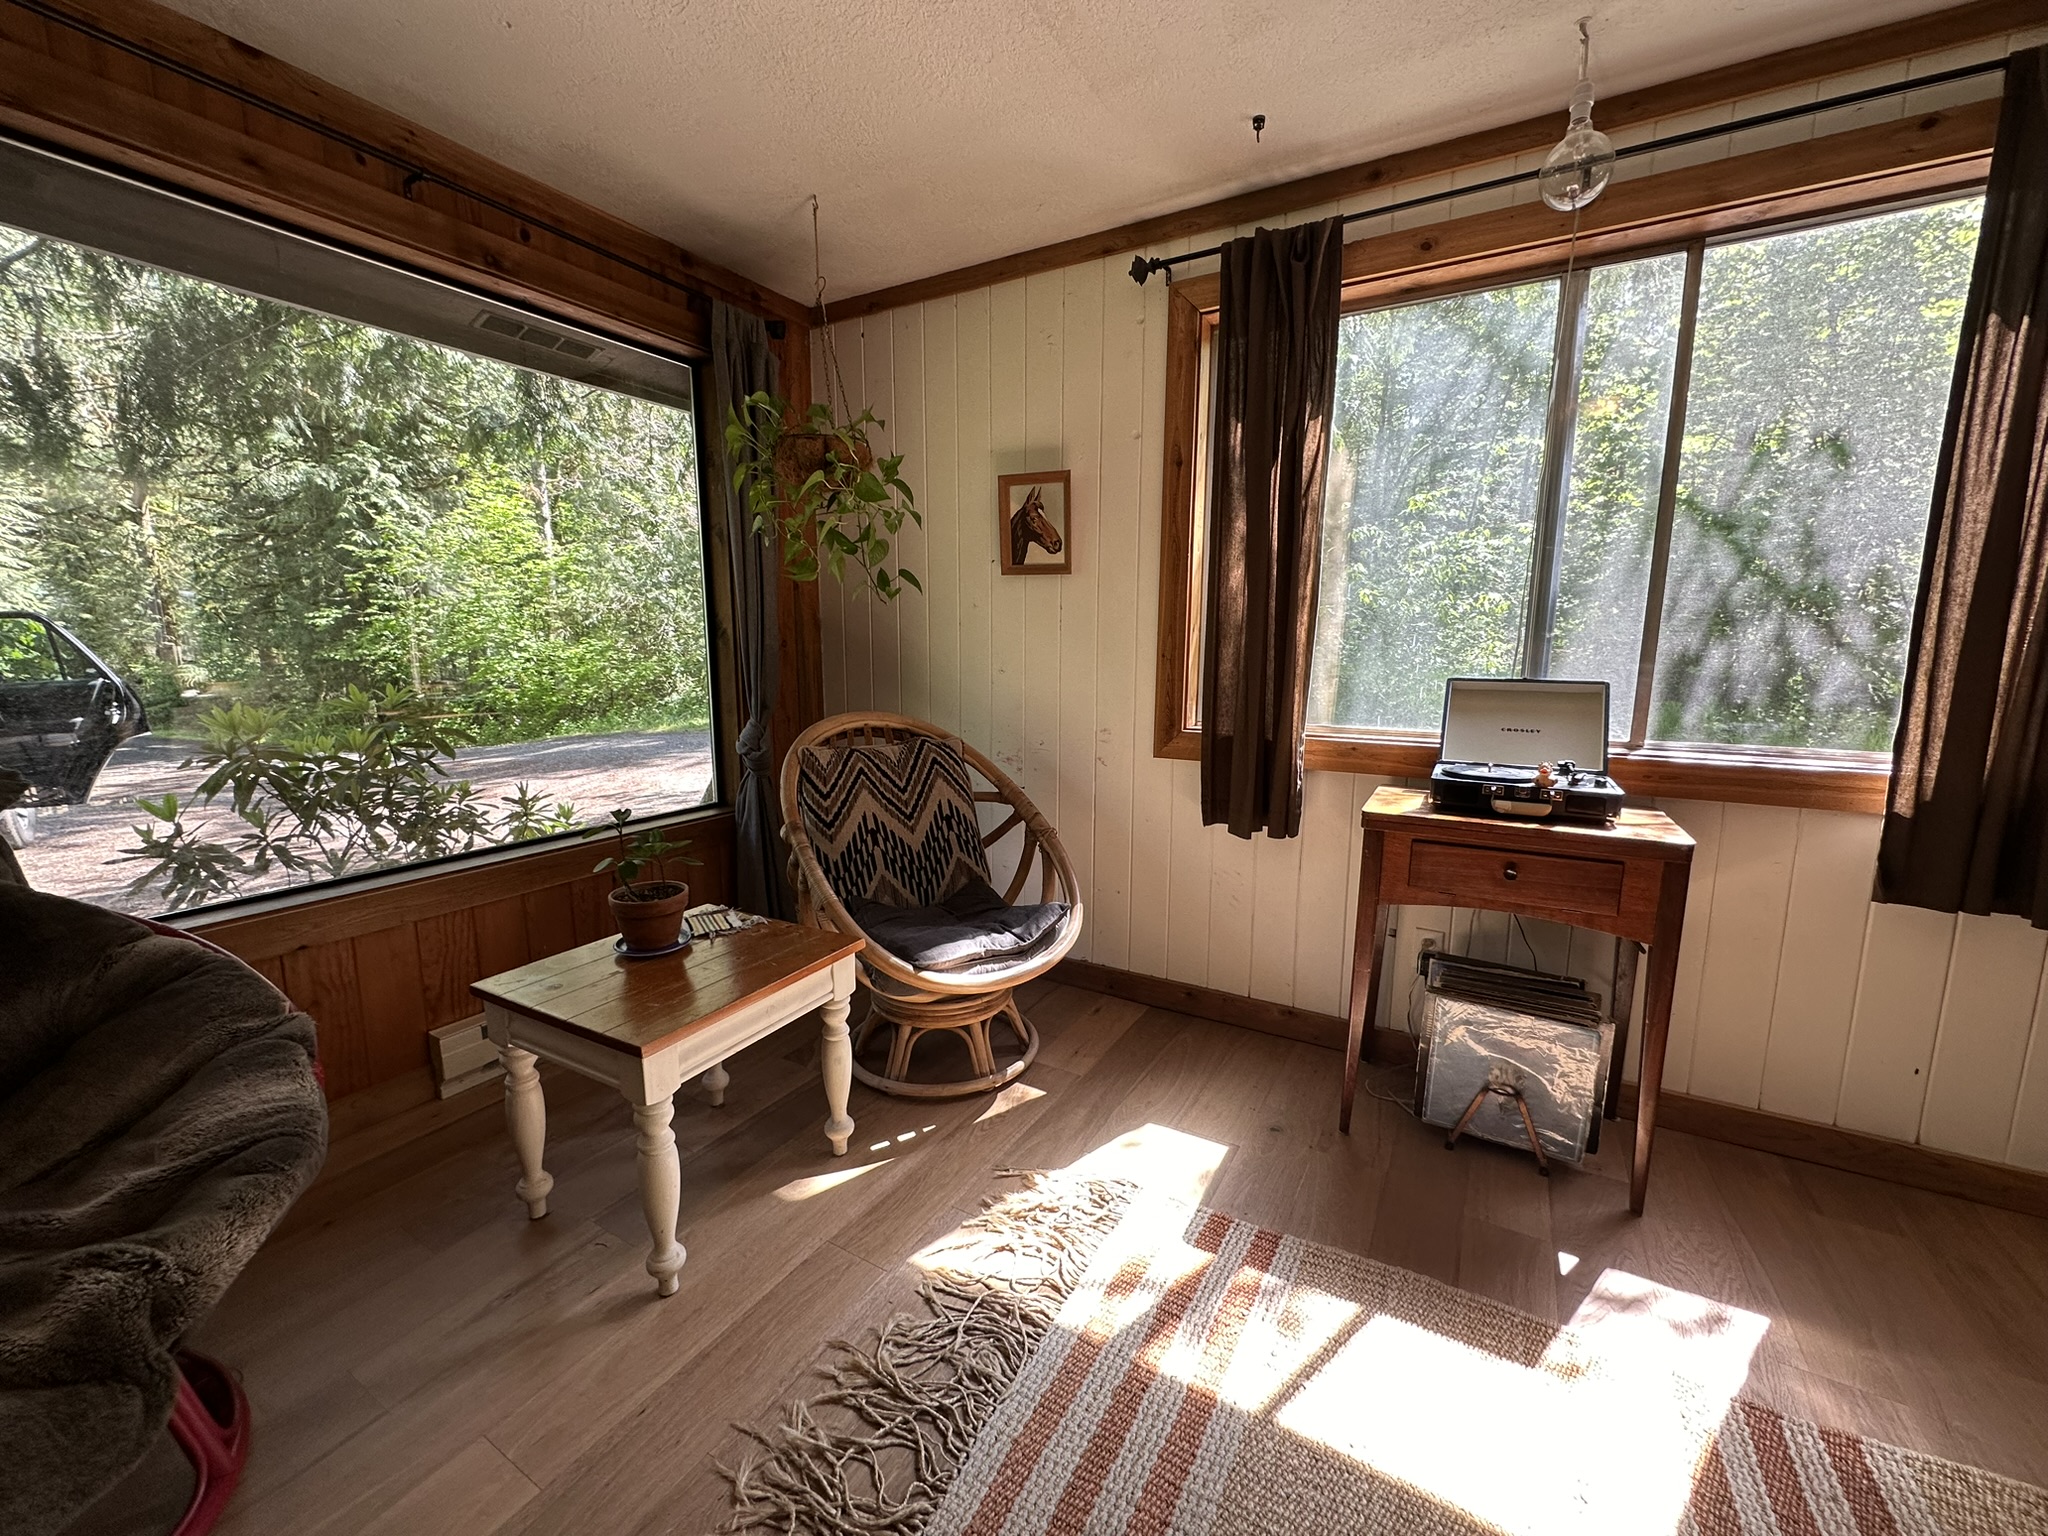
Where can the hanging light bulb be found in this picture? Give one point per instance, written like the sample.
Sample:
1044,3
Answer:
1577,170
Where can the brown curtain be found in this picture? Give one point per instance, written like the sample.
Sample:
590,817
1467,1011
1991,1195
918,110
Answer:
1966,829
1275,384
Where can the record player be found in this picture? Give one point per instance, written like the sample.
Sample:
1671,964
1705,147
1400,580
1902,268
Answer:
1527,748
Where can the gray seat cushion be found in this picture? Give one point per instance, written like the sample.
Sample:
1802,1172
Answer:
968,931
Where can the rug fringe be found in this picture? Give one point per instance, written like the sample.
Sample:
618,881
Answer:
910,1402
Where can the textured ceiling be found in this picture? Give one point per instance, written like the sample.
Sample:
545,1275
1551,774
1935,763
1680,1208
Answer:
939,134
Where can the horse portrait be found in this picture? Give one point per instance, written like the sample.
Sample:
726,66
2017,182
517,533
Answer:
1029,525
1039,520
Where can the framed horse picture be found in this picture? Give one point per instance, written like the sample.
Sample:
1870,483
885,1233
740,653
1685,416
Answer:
1034,523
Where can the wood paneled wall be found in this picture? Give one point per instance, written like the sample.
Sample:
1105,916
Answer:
378,968
1796,994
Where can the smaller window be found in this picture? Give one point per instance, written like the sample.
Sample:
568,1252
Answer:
1700,476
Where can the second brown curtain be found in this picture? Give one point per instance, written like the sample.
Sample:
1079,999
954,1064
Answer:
1275,388
1967,825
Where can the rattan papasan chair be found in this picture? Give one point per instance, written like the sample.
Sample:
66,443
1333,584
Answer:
881,814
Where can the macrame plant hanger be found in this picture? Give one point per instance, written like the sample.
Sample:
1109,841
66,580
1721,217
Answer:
835,382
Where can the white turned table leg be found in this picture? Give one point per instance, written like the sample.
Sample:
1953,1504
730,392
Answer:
527,1116
661,1191
837,1055
715,1083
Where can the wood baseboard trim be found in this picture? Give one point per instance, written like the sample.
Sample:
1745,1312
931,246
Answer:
1877,1157
1301,1024
1897,1162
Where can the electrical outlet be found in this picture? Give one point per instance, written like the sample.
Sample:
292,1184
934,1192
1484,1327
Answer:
1428,941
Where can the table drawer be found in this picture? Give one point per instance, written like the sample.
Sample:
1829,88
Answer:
1487,876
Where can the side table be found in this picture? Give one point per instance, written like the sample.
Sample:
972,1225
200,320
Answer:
1628,879
645,1026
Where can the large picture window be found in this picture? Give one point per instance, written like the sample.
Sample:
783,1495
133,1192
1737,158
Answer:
381,593
1504,496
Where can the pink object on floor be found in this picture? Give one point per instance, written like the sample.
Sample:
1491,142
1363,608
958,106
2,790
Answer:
210,1422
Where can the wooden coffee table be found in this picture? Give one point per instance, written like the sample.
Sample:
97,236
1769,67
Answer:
644,1026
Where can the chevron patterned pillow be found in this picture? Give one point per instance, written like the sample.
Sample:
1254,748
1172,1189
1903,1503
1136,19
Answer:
891,821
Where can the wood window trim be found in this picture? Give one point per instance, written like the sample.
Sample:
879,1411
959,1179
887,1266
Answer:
1929,154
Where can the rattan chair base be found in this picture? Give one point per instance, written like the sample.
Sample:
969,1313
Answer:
907,1088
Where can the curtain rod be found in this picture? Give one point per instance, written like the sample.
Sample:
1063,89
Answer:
1142,267
415,173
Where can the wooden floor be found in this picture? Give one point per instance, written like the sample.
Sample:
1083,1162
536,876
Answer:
422,1358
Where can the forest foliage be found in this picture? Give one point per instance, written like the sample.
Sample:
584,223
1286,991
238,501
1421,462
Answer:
216,489
357,552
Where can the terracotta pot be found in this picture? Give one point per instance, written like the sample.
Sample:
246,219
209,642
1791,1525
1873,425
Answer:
652,919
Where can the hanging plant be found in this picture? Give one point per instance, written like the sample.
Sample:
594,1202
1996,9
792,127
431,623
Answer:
814,483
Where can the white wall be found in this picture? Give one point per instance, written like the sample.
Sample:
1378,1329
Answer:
1796,994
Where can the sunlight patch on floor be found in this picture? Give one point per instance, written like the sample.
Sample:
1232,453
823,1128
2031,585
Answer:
1159,1160
818,1183
1010,1098
1605,1433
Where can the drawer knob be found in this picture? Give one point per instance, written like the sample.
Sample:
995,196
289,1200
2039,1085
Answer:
1509,872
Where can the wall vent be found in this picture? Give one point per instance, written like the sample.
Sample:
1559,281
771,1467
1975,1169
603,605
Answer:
534,336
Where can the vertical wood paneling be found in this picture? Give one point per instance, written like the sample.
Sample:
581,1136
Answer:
878,390
1230,908
448,964
1825,920
592,915
1151,779
977,497
1008,454
1703,821
856,613
910,616
1119,734
1043,444
1188,894
1276,886
1746,929
321,981
1076,645
392,1002
939,498
550,919
1891,1032
1980,1045
2028,1145
1327,815
500,935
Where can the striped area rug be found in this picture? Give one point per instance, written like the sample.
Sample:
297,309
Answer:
1206,1377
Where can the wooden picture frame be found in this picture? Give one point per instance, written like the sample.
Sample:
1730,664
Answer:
1021,554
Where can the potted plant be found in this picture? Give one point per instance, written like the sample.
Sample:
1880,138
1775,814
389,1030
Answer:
814,482
649,912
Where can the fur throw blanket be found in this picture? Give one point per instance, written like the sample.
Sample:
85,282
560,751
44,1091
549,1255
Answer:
159,1113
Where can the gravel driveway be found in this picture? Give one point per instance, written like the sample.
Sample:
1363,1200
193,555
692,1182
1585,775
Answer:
73,845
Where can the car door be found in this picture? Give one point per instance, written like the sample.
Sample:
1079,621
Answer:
62,710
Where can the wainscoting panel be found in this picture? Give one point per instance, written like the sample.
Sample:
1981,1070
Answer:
376,969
